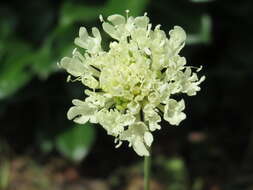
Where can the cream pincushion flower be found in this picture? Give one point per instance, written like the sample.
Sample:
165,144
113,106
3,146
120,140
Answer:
132,85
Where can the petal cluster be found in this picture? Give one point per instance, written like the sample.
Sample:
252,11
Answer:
132,85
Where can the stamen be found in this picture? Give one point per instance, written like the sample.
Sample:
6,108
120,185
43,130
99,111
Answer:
101,18
119,144
127,11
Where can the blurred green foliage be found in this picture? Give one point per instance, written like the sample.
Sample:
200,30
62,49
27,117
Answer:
34,95
76,142
4,174
57,43
25,58
31,46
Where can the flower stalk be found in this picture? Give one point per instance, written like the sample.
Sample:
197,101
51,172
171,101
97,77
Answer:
147,171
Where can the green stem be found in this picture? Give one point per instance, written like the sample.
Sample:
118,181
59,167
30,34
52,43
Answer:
147,164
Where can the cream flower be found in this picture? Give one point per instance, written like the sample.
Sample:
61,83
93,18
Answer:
132,85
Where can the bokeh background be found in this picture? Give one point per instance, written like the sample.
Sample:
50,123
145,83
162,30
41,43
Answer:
41,149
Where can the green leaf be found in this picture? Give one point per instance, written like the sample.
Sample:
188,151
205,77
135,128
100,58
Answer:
14,73
6,26
43,63
135,7
58,44
75,143
71,13
204,34
4,174
45,142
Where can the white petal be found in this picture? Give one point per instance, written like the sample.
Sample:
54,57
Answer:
82,109
96,33
173,112
177,38
116,19
142,21
83,34
73,112
91,44
148,138
134,107
109,29
73,66
154,126
82,119
77,102
140,148
90,81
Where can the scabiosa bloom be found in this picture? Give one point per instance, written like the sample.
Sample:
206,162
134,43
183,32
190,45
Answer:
132,86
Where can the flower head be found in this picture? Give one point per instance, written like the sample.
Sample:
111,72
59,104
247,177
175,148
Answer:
132,86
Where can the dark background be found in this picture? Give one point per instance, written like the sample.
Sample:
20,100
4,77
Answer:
212,149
